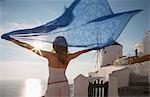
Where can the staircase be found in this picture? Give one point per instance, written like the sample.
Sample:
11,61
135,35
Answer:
138,87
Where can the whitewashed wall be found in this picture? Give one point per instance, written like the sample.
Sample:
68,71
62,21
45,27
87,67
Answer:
146,67
81,86
117,79
122,77
113,52
146,42
113,87
143,68
105,71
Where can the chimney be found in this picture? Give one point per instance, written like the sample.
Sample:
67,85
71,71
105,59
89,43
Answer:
136,52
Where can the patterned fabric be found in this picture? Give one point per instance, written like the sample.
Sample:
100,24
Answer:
86,23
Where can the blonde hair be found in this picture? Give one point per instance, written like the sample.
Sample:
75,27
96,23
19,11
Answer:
60,47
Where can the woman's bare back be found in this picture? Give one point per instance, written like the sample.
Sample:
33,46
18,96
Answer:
53,61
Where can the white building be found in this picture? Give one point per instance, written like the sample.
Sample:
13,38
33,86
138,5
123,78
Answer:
146,67
146,42
110,54
143,48
118,76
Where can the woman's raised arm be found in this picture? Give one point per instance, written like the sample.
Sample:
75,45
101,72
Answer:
76,54
25,45
30,47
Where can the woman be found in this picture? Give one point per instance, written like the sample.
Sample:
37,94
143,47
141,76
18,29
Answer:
57,62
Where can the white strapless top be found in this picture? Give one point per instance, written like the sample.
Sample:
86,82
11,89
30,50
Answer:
56,75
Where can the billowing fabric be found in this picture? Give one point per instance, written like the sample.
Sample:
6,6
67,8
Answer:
86,23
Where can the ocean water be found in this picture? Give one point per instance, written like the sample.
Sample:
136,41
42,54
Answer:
24,88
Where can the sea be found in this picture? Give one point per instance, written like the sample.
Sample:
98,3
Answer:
23,88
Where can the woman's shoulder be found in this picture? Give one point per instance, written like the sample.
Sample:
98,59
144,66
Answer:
50,55
70,54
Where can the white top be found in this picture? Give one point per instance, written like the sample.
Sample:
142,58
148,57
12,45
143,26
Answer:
56,74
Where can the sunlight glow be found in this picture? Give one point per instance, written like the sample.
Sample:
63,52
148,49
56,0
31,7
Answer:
37,46
33,88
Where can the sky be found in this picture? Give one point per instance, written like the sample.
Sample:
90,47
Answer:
19,63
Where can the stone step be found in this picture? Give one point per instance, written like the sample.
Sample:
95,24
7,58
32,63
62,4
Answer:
134,91
138,78
139,84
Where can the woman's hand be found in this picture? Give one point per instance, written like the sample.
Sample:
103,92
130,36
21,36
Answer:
5,36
